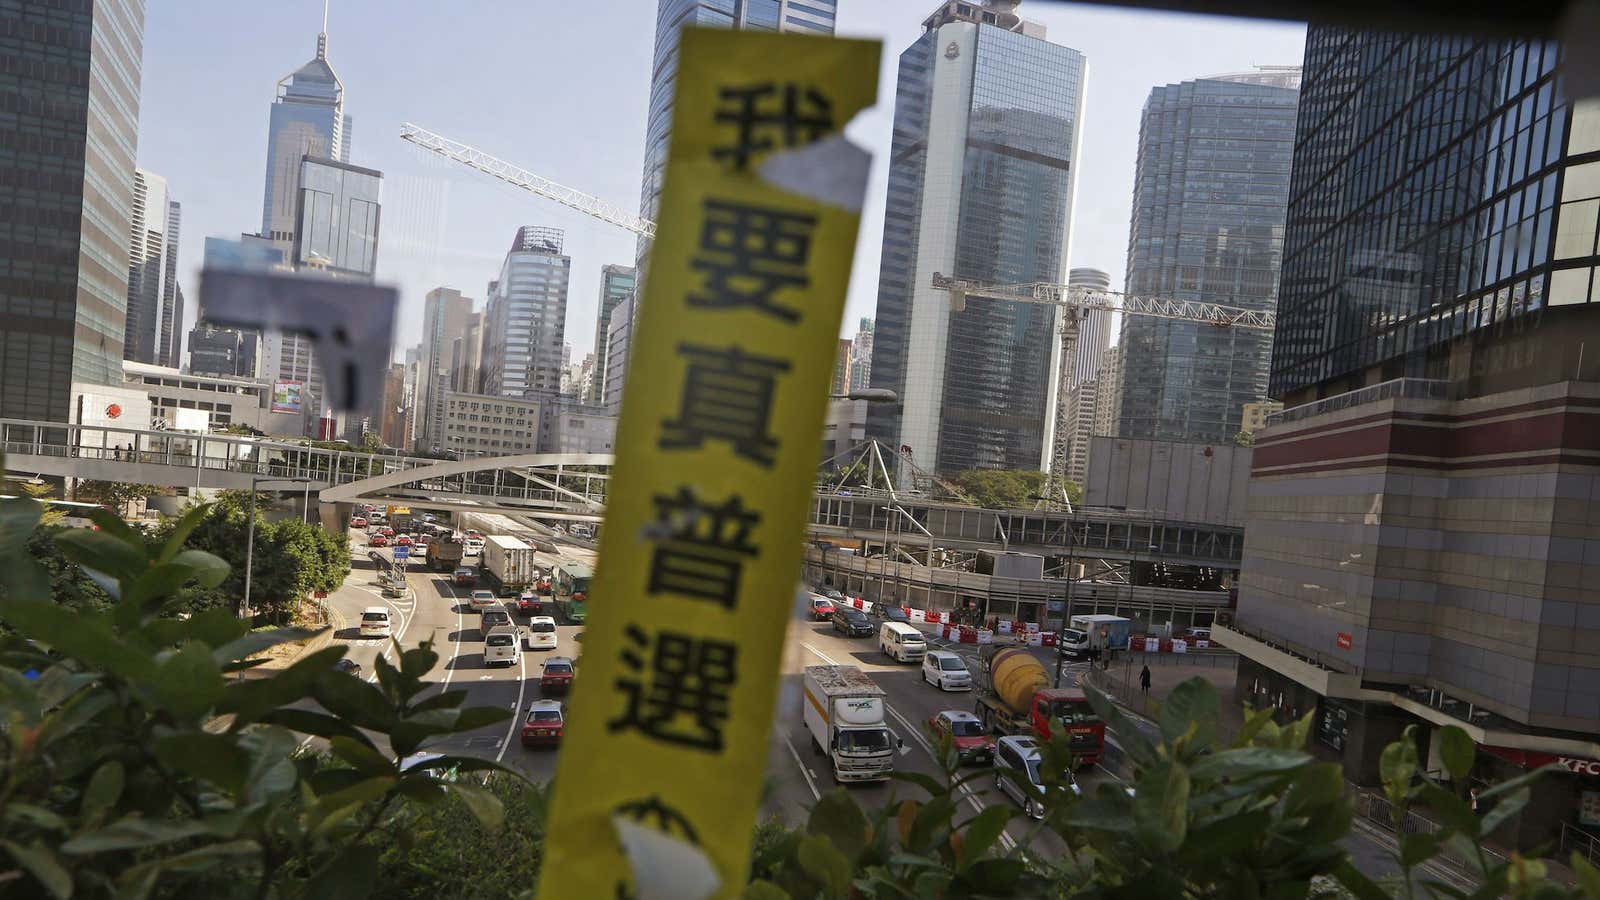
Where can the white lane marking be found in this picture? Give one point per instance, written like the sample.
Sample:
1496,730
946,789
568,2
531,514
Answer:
455,650
522,684
1005,837
804,772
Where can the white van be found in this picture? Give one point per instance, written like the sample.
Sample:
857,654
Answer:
501,647
901,641
375,622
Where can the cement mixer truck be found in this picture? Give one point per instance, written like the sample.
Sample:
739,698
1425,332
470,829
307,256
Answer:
1014,697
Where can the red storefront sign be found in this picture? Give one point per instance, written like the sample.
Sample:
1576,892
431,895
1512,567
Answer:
1344,641
1533,759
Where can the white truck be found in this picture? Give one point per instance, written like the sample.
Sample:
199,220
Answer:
509,564
844,711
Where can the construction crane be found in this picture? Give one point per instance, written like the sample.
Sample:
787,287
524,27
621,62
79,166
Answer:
1078,302
535,184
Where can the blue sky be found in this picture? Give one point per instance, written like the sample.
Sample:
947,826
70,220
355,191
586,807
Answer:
561,88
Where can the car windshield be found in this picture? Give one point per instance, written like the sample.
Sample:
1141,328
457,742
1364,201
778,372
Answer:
895,613
1033,772
557,669
375,617
966,728
952,664
1074,636
855,616
1074,712
863,741
499,640
544,715
542,627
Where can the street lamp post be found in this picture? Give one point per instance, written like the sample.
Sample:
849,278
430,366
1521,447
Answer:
250,535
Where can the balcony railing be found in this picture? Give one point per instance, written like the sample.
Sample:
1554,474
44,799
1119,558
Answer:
1398,389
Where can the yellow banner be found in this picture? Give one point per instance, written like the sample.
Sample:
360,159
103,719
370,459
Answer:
716,459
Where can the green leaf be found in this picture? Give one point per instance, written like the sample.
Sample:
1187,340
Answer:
1417,848
85,636
132,832
764,890
1504,808
308,721
441,700
102,792
1398,763
1448,807
838,817
199,859
354,700
423,789
1225,838
484,805
254,642
1191,704
34,816
349,876
210,757
188,682
1457,750
820,859
249,700
101,552
1247,762
417,662
43,865
362,757
272,775
1134,742
116,527
1254,721
180,532
19,516
981,831
82,709
149,591
1357,882
207,569
1320,785
348,800
1588,877
1161,804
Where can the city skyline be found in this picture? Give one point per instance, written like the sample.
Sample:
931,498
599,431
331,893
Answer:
445,226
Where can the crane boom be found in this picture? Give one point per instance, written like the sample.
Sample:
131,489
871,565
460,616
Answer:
1087,299
535,184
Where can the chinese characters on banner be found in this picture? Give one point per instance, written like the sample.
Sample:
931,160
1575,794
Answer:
660,779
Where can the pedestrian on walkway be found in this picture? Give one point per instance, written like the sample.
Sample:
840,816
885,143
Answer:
1144,681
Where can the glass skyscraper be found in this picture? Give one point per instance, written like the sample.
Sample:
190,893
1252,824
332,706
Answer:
1210,190
526,319
70,128
672,16
153,329
337,230
1428,204
981,178
616,285
307,120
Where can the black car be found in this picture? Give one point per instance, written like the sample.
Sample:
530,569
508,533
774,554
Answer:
891,613
851,622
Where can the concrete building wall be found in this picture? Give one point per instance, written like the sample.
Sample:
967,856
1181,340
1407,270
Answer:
1447,543
1176,481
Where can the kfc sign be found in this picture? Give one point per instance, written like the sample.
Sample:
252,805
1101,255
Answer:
1533,759
1344,641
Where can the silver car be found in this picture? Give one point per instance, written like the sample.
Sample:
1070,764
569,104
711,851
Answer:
1017,762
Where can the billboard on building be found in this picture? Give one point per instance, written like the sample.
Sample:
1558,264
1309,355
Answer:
191,420
286,396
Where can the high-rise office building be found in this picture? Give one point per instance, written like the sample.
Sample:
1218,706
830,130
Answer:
861,356
468,356
1107,396
526,317
618,335
222,351
336,230
1094,328
841,367
981,178
672,16
616,285
1210,187
1419,543
445,316
152,332
307,120
71,96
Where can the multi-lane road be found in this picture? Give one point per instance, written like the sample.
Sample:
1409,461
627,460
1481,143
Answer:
436,610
